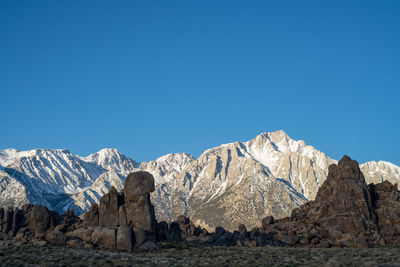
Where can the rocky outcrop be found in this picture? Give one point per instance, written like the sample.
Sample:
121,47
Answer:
343,205
109,209
92,216
386,200
121,221
138,207
104,237
240,182
124,238
38,218
128,209
33,221
346,212
179,230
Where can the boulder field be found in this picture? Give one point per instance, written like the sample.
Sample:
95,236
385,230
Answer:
345,213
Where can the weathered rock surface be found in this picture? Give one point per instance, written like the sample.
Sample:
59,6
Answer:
122,220
386,199
109,209
267,221
124,238
55,237
131,207
179,230
104,237
38,218
92,216
130,211
343,205
346,212
138,207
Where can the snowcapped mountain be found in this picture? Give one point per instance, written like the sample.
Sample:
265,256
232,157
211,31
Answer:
233,183
377,172
243,182
54,177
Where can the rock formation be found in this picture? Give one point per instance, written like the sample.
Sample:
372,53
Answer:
130,211
122,220
386,202
346,212
32,220
138,208
179,230
240,182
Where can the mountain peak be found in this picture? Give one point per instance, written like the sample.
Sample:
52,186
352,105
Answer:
104,153
278,141
108,151
277,133
175,156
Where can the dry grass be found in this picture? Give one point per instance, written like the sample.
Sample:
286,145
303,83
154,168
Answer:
50,255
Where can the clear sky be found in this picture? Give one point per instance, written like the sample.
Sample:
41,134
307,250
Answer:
156,77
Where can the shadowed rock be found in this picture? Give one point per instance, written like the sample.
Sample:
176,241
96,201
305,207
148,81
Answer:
129,209
343,204
124,238
267,221
109,209
346,212
39,219
104,237
386,200
91,218
120,221
138,208
179,230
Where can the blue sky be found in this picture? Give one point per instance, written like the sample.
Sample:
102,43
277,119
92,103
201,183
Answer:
156,77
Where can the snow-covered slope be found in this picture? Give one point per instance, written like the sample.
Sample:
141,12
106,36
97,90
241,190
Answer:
304,167
233,183
56,177
242,182
13,193
377,172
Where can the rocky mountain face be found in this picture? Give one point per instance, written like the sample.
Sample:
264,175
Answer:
60,180
346,212
240,182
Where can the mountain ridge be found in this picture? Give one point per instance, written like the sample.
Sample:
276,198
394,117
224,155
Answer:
239,181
